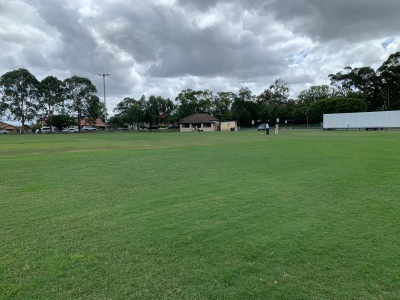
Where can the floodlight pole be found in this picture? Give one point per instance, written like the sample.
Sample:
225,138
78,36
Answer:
104,87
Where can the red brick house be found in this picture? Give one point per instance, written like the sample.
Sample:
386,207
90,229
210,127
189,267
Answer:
99,124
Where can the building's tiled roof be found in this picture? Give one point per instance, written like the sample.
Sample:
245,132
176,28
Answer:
86,122
5,125
198,118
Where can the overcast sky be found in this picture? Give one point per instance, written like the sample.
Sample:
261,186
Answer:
161,47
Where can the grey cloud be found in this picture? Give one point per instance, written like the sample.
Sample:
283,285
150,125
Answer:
76,47
205,53
202,5
346,20
174,45
134,31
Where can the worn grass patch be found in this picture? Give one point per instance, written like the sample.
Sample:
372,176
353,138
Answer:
238,215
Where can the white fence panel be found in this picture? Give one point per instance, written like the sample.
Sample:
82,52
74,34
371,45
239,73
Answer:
382,119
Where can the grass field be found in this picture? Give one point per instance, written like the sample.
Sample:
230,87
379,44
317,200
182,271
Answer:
238,215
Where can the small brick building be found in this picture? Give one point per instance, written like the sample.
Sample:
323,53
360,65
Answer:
199,122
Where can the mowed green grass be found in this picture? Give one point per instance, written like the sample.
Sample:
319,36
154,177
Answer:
235,215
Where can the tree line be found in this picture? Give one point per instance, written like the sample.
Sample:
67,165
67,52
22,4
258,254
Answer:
61,103
25,99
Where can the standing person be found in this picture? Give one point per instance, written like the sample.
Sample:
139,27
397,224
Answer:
276,128
266,129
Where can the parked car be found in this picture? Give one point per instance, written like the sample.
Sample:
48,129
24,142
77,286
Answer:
374,128
173,126
261,127
71,129
44,129
88,128
3,131
123,129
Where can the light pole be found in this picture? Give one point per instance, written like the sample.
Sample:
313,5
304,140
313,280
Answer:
104,87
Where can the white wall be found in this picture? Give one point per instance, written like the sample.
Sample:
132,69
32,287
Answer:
381,119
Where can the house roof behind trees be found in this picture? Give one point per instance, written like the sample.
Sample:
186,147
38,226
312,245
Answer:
199,118
7,126
87,122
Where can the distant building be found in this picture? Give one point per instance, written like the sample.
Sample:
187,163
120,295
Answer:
10,128
199,122
228,126
98,123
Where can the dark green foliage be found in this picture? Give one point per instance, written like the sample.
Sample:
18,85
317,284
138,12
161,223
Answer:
334,105
389,73
157,109
95,109
193,102
60,121
244,111
116,122
51,91
222,106
3,107
380,89
81,99
153,111
130,111
20,95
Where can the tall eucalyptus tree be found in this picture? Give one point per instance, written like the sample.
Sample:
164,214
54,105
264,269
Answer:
79,93
19,98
